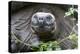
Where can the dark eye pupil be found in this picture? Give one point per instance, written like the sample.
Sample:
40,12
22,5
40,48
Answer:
48,18
35,16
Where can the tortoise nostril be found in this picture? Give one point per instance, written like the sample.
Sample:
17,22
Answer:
41,21
40,18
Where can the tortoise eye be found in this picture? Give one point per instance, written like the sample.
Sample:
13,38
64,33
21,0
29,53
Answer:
34,20
35,16
48,18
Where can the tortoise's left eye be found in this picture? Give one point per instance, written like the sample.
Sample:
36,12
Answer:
48,18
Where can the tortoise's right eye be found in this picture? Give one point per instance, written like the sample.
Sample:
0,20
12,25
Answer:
35,16
34,20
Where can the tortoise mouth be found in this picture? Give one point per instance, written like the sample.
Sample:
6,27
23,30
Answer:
44,33
43,30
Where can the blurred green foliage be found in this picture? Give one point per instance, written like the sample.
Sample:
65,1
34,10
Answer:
74,38
71,12
48,46
54,45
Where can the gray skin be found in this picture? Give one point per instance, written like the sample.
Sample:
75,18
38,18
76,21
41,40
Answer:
43,25
42,22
